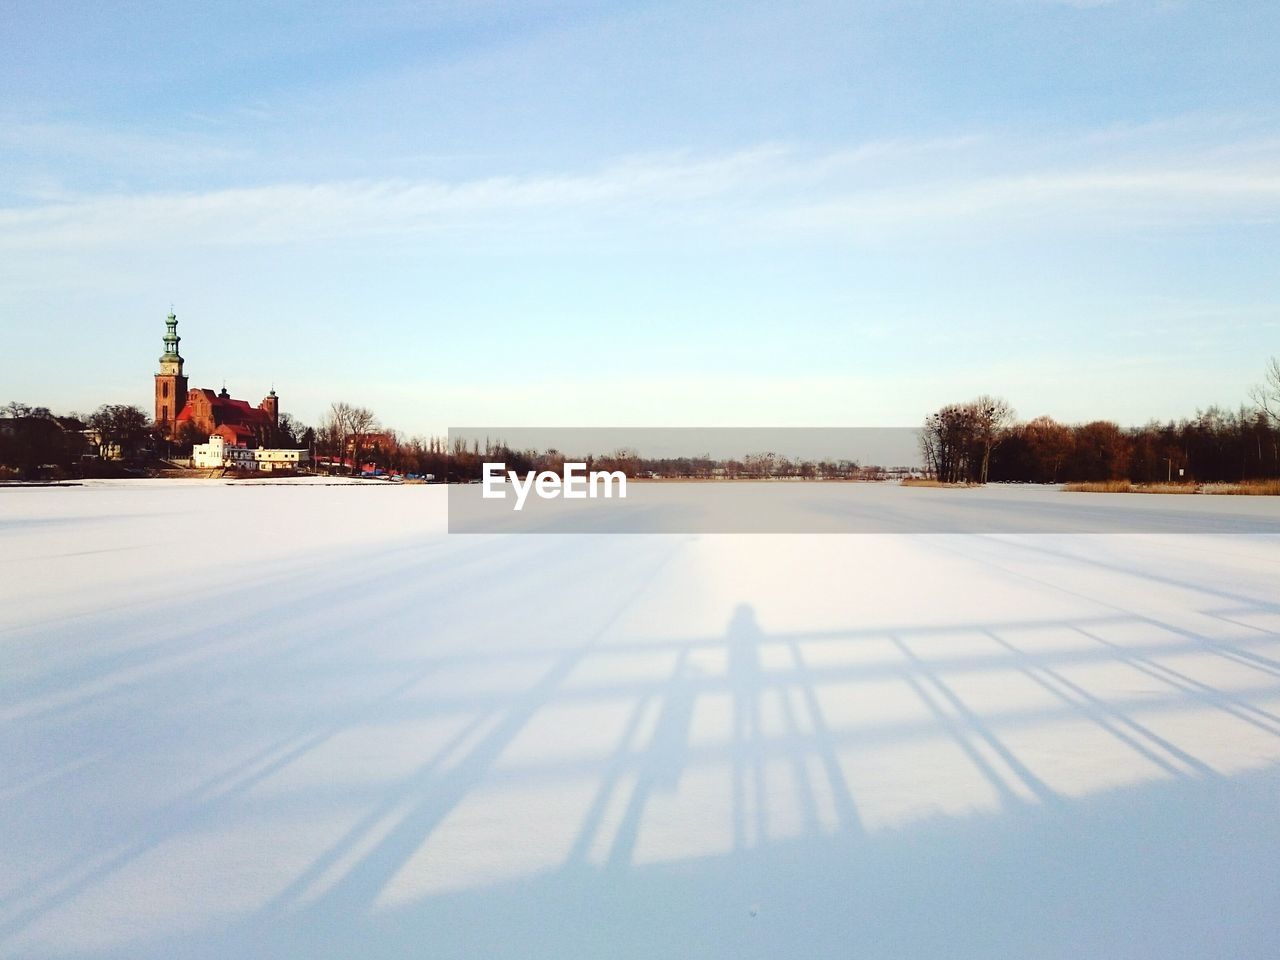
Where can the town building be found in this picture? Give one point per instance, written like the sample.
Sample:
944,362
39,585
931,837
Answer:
234,420
219,453
204,412
208,456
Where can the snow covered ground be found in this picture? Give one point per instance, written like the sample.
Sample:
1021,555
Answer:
303,721
800,507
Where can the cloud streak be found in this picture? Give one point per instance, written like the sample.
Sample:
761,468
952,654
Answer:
875,190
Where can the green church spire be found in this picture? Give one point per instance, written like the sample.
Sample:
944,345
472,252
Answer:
170,361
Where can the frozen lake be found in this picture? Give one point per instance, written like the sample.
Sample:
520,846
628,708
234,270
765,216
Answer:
799,507
304,721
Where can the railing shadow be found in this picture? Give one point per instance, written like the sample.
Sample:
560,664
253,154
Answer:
786,821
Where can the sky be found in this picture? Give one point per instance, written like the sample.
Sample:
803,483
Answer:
643,214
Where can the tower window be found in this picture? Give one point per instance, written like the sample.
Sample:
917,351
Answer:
164,389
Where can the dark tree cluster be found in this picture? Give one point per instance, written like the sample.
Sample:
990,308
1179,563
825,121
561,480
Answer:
36,445
978,441
1214,446
959,440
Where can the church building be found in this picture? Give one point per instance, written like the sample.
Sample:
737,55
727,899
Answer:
208,413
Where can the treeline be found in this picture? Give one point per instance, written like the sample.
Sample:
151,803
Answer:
465,463
1214,446
458,460
37,444
980,440
350,439
972,442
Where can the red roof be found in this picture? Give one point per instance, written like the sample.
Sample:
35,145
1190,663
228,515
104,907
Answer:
227,410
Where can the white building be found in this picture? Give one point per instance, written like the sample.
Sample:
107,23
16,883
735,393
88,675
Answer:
206,456
280,459
218,453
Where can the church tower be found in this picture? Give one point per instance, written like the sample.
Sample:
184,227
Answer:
270,405
171,385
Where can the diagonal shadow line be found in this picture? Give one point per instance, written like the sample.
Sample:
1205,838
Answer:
359,887
800,772
654,763
1248,658
1251,659
370,572
351,839
846,808
1223,615
1009,798
194,797
612,775
1240,709
202,801
206,792
780,748
661,761
1187,680
1105,714
177,646
1201,639
973,725
1251,602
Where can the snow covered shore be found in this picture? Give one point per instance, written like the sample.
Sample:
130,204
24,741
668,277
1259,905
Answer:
303,721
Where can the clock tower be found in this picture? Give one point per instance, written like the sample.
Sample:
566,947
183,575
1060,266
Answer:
171,385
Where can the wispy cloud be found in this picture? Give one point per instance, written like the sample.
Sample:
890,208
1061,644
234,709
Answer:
110,150
873,190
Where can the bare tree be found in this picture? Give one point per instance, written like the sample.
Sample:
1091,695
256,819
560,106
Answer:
1267,394
120,428
992,418
360,422
333,431
344,431
947,442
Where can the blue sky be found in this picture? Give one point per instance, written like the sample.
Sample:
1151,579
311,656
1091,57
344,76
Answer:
644,213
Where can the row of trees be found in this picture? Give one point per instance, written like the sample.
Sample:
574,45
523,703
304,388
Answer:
465,463
961,443
350,437
115,424
35,443
979,441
